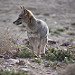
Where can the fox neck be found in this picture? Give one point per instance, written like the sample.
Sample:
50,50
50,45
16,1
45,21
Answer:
31,23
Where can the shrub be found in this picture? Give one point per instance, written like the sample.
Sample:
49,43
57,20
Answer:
6,41
6,72
52,64
58,55
20,62
23,25
66,28
61,30
50,30
50,56
73,24
25,54
46,14
36,60
56,32
37,13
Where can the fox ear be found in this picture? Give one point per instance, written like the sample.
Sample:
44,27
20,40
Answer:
23,8
26,11
20,7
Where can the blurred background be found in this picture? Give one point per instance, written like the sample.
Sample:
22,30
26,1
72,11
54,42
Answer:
58,14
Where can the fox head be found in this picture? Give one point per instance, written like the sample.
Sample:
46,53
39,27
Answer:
24,16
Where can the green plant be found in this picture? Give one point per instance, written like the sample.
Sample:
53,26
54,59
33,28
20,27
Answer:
66,28
25,54
0,61
50,30
73,24
23,25
61,29
50,56
6,72
71,33
52,64
46,14
65,60
37,13
36,60
58,55
56,32
20,62
25,48
48,63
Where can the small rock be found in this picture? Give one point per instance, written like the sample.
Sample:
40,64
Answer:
25,70
13,60
10,65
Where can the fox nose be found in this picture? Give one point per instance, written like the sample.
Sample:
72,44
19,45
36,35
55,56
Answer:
14,22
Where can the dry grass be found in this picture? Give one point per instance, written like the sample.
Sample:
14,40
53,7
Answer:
6,42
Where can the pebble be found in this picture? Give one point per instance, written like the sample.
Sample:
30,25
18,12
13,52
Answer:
25,69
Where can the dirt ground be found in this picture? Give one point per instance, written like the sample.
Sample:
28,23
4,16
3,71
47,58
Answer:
56,13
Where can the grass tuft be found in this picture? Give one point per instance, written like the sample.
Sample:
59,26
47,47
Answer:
6,72
56,32
50,30
46,14
20,62
25,54
36,60
52,64
73,24
58,55
61,30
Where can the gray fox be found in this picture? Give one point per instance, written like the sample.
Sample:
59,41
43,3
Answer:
37,30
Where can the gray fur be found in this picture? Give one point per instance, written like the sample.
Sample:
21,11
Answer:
37,31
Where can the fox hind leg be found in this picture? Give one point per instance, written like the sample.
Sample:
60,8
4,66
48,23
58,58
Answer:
38,47
43,45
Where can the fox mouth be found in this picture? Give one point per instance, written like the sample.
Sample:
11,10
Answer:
17,23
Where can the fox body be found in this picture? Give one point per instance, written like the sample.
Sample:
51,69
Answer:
37,30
